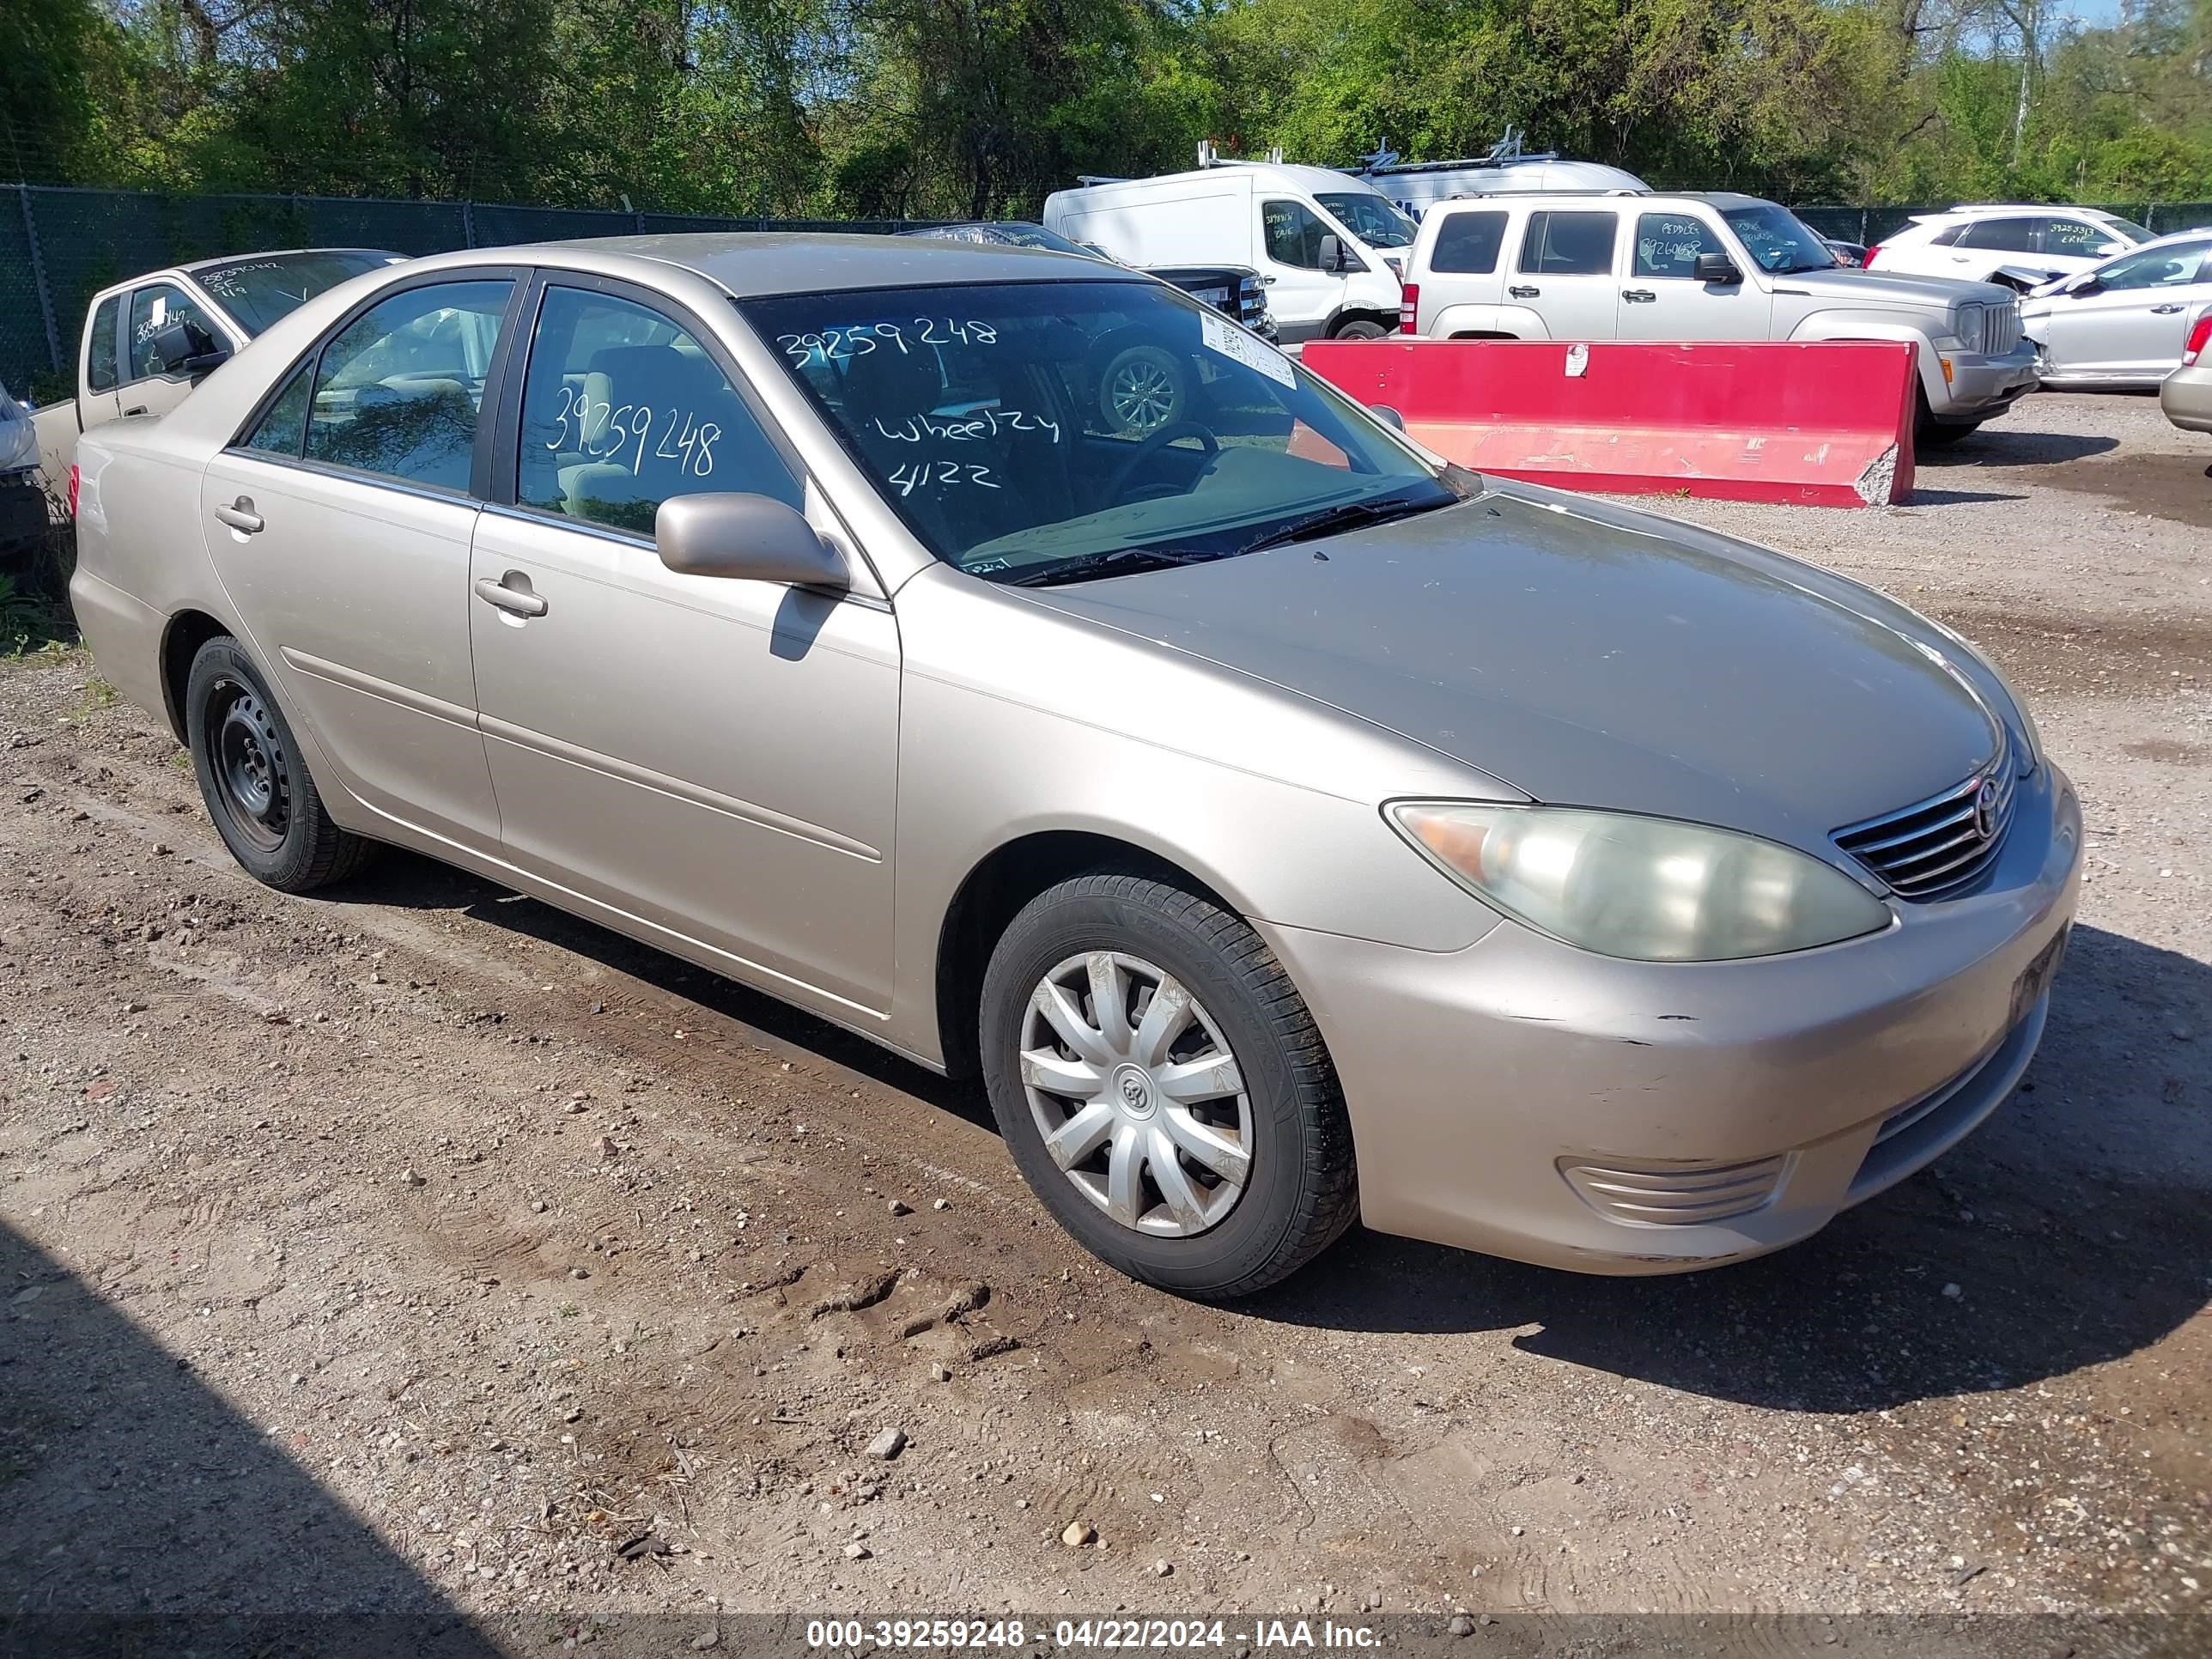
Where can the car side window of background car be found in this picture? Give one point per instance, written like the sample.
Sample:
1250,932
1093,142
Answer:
153,308
1294,233
1948,238
2171,266
1669,244
1568,244
2078,239
99,363
2009,235
398,390
1467,243
623,409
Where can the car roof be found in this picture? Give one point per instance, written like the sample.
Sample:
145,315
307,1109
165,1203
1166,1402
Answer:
1718,198
754,264
199,265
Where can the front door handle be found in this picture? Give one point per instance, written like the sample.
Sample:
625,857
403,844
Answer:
517,599
136,408
2165,311
1638,297
1524,292
240,516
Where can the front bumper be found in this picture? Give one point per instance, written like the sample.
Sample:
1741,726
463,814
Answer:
1979,387
1505,1097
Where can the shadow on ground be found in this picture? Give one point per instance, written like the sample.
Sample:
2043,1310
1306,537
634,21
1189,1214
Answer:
146,1517
2076,1230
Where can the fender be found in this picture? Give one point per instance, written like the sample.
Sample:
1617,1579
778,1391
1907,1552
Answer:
1518,321
1881,325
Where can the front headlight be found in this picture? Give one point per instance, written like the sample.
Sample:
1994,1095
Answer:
1971,325
1650,889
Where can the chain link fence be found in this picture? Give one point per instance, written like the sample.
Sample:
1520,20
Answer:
60,247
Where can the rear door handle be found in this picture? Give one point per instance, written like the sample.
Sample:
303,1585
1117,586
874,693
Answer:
240,516
1638,297
1524,292
2164,311
520,601
139,409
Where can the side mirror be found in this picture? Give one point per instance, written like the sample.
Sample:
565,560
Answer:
1333,256
1389,416
1717,268
2088,283
751,537
185,348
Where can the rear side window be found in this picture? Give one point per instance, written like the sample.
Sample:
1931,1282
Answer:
100,360
398,389
1669,244
2007,236
623,409
1467,243
1568,244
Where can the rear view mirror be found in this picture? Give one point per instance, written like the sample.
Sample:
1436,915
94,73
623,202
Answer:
751,537
185,348
1717,268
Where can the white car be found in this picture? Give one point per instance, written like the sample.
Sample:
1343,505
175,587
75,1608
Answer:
2010,243
2121,324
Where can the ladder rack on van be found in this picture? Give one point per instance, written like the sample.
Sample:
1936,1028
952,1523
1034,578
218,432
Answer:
1506,151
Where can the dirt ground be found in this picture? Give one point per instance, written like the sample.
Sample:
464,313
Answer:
418,1251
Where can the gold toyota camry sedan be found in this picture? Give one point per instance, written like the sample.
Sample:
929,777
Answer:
1287,827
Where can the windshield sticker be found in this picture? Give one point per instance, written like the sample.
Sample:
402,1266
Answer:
1222,336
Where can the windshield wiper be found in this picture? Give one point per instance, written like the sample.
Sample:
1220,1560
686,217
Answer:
1124,559
1345,515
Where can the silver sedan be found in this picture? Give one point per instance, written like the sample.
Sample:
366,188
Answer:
2119,324
1286,827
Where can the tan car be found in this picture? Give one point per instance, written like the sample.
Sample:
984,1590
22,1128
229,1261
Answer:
2185,395
1287,827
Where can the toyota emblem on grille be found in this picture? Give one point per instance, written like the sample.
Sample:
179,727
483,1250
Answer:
1985,809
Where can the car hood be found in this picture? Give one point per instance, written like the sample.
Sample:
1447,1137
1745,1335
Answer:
1610,659
1893,288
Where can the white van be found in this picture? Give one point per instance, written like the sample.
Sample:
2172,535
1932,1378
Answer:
1330,247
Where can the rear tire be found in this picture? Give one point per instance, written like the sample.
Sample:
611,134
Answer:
1362,329
1215,1155
255,784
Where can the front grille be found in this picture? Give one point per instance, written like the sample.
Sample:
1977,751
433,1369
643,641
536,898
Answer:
1676,1196
2002,328
1938,845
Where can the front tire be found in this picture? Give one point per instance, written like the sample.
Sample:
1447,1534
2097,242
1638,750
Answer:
255,784
1362,329
1163,1089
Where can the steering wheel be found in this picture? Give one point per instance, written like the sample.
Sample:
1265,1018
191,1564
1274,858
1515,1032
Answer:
1159,439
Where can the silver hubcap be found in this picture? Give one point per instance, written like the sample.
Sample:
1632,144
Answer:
1141,395
1136,1093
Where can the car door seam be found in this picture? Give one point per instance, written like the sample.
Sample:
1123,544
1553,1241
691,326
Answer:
352,679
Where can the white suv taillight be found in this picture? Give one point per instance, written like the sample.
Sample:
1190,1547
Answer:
2199,338
1409,309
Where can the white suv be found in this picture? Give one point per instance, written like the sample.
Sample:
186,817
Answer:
2009,243
1625,265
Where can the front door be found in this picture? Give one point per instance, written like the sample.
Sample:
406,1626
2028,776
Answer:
715,757
1302,296
1563,272
2131,325
151,387
339,524
1662,298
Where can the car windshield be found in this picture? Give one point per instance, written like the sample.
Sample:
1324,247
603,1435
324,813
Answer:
256,292
1009,234
1778,239
2127,228
1373,219
1046,431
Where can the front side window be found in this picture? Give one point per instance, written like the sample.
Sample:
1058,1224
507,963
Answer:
1568,244
989,417
1372,218
622,410
100,350
2080,239
1294,233
1668,245
397,391
257,292
2006,235
1467,243
162,306
2172,266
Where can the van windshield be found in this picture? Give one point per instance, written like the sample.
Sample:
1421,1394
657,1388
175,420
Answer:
1373,220
1051,431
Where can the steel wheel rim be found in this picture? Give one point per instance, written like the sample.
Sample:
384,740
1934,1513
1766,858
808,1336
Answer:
247,761
1141,395
1136,1094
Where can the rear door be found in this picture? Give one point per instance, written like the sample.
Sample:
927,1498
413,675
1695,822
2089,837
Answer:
1564,271
2131,327
1662,298
339,521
